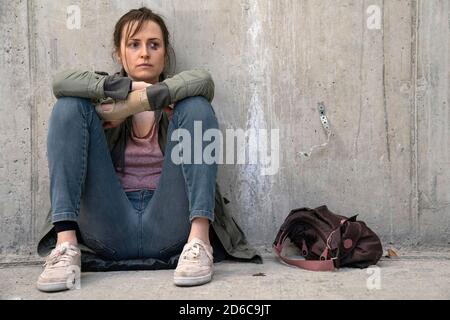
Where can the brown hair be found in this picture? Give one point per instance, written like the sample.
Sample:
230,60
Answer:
138,17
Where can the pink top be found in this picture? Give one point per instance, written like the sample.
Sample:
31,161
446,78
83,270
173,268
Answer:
143,161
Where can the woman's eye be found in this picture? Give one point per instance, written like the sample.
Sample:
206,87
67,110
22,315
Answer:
154,45
133,45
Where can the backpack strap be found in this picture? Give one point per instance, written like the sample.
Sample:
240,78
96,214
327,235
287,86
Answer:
311,265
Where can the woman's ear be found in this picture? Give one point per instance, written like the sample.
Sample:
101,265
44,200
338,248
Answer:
117,56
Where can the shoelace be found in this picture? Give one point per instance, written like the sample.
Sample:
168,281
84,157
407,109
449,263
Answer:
59,255
192,252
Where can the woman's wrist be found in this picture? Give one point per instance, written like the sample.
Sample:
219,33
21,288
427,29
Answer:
139,85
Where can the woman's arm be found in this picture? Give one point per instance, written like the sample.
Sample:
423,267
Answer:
99,85
93,85
197,82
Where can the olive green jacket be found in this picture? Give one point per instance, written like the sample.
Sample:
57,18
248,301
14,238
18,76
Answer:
99,86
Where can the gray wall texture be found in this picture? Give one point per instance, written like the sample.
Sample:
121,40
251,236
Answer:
380,66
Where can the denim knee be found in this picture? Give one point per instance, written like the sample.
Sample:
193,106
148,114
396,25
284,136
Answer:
196,109
66,109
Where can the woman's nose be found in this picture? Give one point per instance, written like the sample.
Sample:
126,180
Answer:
144,52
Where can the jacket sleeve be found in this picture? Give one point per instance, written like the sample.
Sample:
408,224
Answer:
88,84
83,84
185,84
191,83
99,85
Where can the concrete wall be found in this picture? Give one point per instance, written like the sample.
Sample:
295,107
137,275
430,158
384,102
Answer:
386,91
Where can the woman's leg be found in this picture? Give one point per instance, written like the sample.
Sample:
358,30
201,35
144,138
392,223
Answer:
84,187
185,192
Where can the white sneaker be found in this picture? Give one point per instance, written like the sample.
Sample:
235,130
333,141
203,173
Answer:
62,267
195,265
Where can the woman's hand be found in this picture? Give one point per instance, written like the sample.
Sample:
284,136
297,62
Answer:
114,111
138,85
109,124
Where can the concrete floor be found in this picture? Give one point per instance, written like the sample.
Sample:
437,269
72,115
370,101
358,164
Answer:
421,274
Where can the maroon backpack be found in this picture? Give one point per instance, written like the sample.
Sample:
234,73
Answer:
328,241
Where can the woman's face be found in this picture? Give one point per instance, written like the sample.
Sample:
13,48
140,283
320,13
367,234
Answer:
143,55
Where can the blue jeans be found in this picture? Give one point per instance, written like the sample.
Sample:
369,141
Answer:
84,186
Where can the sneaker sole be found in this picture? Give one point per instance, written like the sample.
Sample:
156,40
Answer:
192,281
52,287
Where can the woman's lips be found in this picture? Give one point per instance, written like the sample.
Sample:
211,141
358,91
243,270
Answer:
144,66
